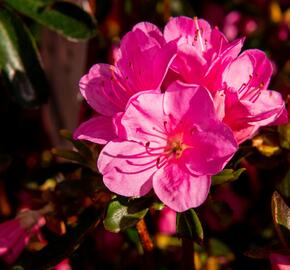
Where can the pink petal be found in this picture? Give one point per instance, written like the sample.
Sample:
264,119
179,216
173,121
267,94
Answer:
266,109
209,149
280,262
178,189
143,62
99,129
186,30
126,167
103,91
151,30
143,115
192,101
190,64
238,72
213,76
262,68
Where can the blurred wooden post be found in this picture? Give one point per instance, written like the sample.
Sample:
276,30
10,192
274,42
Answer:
64,63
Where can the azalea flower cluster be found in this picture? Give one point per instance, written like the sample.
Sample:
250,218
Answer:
174,107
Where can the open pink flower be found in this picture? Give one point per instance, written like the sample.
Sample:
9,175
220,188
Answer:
15,233
246,102
280,262
140,64
238,83
173,146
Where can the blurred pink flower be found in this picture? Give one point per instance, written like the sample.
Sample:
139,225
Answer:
141,63
63,265
167,221
231,22
173,146
280,262
15,233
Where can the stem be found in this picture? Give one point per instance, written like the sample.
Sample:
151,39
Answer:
146,241
187,254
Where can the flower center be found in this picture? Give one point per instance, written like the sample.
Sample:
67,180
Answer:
176,148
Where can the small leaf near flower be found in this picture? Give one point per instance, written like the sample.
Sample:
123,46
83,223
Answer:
227,175
189,226
123,214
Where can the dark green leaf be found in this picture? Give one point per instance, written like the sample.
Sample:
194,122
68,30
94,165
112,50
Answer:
63,17
19,61
281,217
284,134
189,226
82,147
123,214
73,156
227,175
284,185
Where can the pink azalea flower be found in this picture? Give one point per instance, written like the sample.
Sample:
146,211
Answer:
238,83
141,63
246,102
15,233
167,221
280,262
173,146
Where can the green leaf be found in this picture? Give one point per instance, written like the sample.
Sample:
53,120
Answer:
284,185
74,156
227,175
19,61
82,147
284,134
123,214
189,226
281,217
64,17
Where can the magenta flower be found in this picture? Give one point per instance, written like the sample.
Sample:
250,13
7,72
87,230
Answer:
238,83
172,142
141,64
15,234
246,104
280,262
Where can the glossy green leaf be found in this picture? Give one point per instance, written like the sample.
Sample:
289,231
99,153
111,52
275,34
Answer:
227,175
19,61
63,17
281,218
123,214
189,226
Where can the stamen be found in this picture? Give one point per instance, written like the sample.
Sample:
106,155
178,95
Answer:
198,33
165,126
151,134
